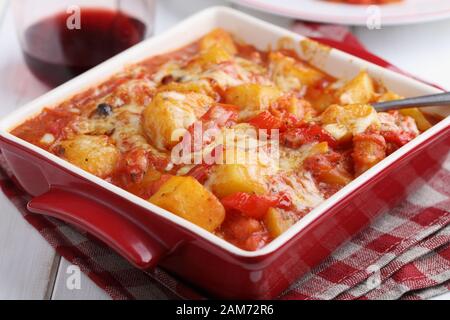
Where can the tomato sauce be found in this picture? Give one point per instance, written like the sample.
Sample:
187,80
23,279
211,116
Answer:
310,131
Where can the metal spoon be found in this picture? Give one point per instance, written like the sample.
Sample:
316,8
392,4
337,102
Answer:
440,99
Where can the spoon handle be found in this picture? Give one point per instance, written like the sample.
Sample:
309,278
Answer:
441,99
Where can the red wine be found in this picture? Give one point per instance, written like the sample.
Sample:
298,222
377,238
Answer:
55,53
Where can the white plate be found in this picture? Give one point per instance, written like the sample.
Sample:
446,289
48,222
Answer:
405,12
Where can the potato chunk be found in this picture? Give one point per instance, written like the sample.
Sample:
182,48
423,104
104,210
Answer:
422,123
368,151
94,154
342,122
201,87
169,112
330,168
320,148
232,178
335,177
359,90
277,222
290,74
218,38
252,98
214,55
216,47
388,96
187,198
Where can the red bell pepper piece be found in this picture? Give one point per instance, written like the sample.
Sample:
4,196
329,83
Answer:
399,138
253,206
266,120
295,138
282,121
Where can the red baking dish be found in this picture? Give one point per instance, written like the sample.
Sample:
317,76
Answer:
149,236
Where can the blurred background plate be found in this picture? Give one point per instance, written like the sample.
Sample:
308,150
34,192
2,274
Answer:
404,12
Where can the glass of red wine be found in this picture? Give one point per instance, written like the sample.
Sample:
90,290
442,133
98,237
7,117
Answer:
61,39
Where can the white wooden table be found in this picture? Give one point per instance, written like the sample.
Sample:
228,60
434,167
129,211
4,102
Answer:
29,267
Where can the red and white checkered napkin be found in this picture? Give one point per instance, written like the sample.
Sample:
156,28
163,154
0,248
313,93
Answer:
405,254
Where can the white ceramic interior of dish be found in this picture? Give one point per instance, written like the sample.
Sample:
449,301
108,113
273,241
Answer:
253,31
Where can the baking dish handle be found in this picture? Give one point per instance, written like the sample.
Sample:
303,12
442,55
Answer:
125,237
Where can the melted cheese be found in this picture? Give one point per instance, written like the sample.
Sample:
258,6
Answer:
397,122
360,125
230,74
124,125
344,121
301,189
292,159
